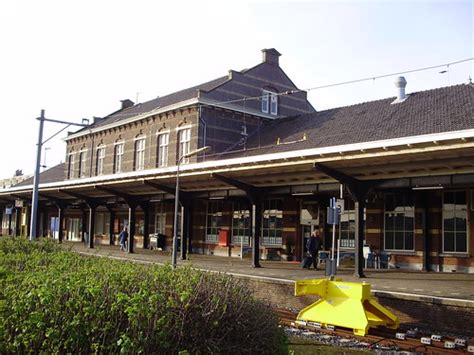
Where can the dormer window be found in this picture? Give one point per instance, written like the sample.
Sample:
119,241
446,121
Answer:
270,102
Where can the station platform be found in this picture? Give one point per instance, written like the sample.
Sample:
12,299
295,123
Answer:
455,286
440,301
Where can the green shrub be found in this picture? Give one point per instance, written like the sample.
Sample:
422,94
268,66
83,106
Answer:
56,301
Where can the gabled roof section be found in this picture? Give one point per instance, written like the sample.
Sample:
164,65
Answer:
54,174
244,90
427,112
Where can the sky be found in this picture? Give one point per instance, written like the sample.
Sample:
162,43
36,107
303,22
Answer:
78,59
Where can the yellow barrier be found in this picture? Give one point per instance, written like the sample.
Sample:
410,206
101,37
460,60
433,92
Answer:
344,304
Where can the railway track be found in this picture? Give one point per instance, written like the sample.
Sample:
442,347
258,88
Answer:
378,338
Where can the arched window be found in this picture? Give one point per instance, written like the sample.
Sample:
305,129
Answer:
70,164
82,163
184,144
162,149
118,156
139,161
100,157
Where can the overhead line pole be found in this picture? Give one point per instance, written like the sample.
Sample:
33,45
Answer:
34,199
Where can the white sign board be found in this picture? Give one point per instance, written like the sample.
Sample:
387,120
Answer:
18,203
340,205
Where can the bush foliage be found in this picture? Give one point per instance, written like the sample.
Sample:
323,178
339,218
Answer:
56,301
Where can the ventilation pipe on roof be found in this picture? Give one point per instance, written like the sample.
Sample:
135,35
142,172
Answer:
400,84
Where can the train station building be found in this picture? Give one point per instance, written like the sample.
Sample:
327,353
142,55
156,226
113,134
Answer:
403,167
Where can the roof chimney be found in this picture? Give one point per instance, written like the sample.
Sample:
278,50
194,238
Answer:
270,56
126,103
400,83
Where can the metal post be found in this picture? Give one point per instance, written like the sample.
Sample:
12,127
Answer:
34,201
174,254
175,224
257,230
61,218
91,226
359,205
186,229
146,226
111,226
131,226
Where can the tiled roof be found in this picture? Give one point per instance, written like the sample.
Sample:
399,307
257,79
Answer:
56,173
433,111
163,101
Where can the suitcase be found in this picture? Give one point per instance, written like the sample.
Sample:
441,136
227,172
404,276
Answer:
307,262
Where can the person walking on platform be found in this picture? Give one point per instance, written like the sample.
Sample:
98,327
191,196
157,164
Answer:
313,245
123,239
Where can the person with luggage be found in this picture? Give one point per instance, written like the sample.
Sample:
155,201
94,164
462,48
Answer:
312,246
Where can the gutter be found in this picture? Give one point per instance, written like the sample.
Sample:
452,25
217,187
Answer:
406,142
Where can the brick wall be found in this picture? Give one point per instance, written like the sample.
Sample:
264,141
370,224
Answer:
148,128
426,313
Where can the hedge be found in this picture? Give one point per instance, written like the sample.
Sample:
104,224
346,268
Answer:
56,301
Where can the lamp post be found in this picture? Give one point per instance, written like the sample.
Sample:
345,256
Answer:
176,203
34,199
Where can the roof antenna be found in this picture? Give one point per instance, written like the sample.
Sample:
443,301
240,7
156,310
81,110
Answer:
470,80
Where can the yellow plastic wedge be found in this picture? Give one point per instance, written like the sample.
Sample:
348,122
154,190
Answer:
344,304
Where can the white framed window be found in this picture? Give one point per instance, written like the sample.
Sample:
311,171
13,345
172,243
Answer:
273,104
162,156
100,160
184,141
70,165
455,235
269,102
241,224
82,163
140,153
265,99
399,222
214,221
347,231
118,157
272,226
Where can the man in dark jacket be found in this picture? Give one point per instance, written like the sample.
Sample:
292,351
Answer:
313,245
123,239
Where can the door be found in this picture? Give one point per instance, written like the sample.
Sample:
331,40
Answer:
309,220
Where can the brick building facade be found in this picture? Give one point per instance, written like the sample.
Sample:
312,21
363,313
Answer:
403,165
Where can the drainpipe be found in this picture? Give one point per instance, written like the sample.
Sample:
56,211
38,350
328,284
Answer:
201,120
92,154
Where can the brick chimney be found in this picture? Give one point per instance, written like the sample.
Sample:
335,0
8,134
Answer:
270,56
126,104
